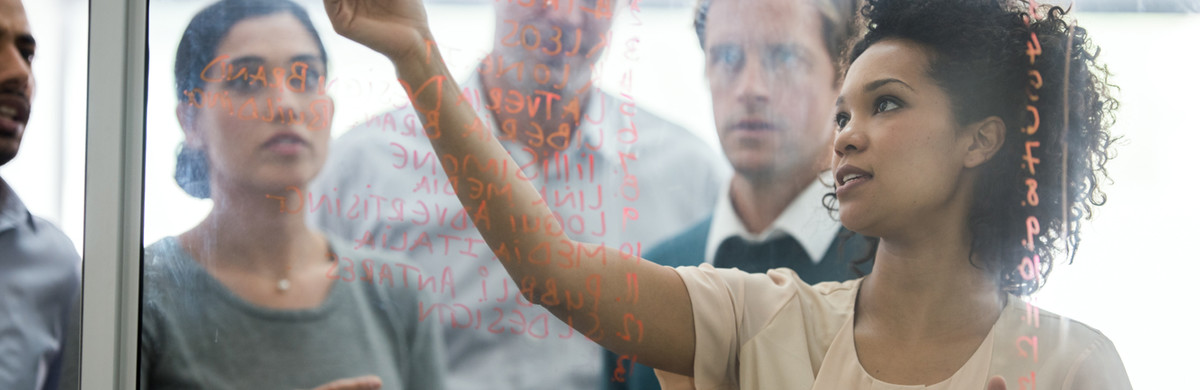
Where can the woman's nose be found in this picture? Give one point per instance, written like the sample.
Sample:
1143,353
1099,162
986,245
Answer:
849,140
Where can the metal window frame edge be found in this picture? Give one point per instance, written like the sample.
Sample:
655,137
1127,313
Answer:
112,243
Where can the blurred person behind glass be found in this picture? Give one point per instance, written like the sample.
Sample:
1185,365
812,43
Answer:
251,297
772,67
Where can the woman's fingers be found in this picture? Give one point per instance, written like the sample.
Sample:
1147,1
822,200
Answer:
368,382
997,383
335,9
395,28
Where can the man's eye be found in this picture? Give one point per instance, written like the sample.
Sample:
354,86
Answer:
785,58
727,57
27,54
885,104
841,119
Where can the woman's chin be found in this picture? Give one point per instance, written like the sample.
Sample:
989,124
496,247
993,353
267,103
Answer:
281,186
294,176
855,219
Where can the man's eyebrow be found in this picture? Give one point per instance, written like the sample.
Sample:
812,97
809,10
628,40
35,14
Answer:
871,86
723,46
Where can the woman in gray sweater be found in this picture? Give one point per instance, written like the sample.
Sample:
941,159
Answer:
252,298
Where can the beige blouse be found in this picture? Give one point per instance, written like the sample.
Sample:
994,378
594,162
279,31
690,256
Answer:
773,331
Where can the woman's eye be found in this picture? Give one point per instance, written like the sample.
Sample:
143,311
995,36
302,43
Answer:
841,119
309,83
243,85
243,81
886,104
313,82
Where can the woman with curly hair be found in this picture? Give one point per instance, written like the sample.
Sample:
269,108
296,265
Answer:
971,136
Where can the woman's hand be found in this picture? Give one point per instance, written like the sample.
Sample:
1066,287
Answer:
369,382
397,28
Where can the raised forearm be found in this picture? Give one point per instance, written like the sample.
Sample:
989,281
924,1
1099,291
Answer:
627,304
596,289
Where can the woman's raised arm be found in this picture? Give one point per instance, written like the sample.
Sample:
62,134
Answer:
654,323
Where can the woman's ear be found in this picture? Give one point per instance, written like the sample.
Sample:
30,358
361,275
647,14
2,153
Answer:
987,136
186,115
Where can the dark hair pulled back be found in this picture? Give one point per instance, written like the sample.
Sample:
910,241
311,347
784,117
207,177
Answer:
197,49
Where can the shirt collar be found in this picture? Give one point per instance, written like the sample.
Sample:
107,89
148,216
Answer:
805,219
12,211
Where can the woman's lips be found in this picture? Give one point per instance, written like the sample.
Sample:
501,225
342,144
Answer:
849,177
286,143
851,184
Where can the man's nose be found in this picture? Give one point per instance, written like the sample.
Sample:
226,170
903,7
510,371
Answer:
15,73
751,87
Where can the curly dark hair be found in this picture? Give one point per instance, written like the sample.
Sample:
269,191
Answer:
197,48
981,62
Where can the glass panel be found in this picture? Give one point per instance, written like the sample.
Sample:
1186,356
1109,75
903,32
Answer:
300,230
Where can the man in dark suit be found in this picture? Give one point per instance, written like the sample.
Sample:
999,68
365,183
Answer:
772,70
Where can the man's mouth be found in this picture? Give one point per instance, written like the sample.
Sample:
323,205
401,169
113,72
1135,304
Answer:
8,112
754,125
14,108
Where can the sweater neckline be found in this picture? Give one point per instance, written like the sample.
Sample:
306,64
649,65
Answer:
227,296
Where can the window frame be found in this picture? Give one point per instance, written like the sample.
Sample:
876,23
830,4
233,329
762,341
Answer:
112,244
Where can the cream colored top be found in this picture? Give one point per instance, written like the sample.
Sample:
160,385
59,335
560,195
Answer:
773,331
